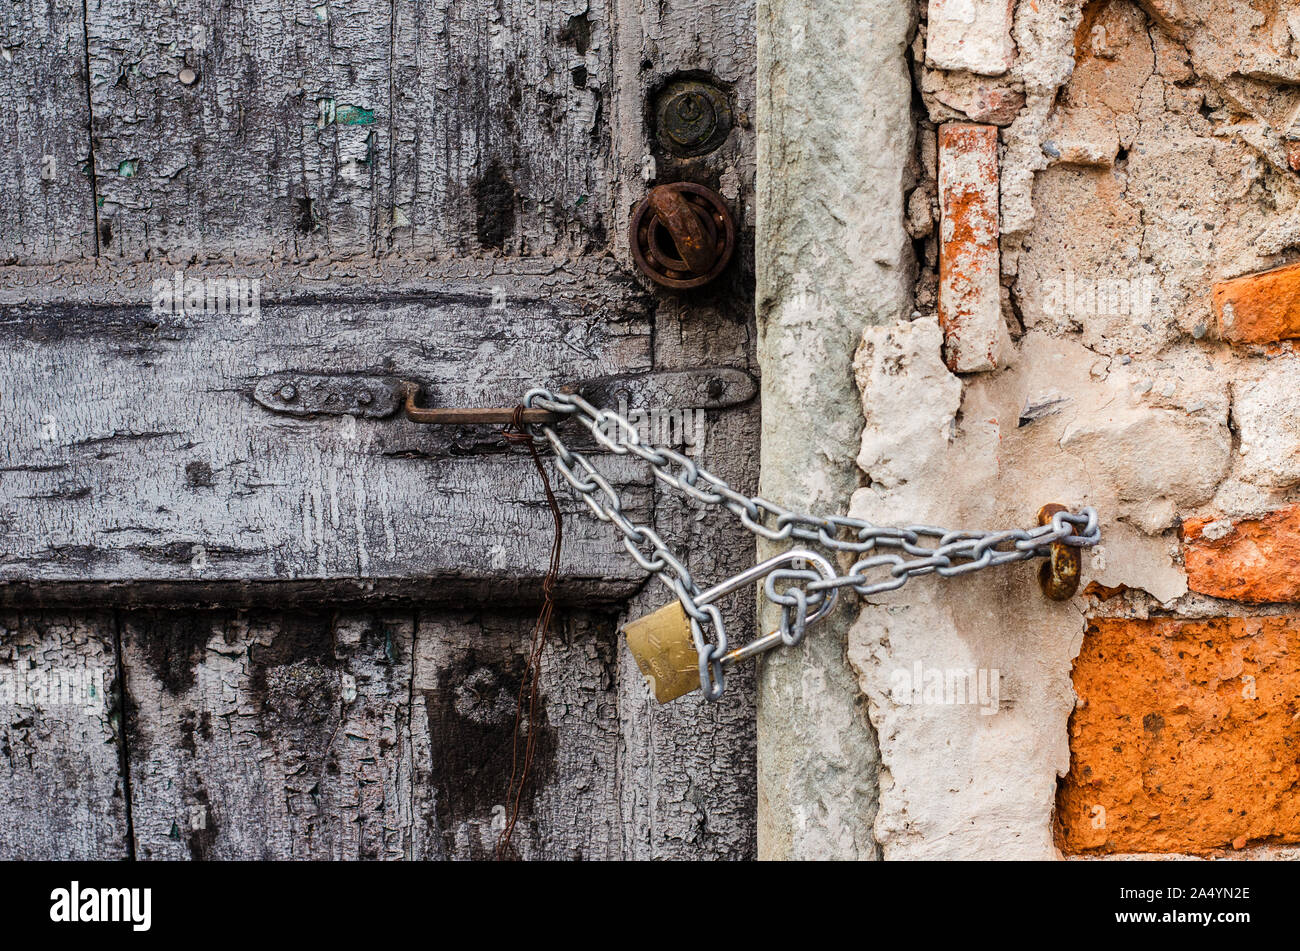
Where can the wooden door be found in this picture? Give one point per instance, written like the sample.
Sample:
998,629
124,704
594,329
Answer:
292,623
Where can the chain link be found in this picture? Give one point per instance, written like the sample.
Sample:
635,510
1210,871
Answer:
887,558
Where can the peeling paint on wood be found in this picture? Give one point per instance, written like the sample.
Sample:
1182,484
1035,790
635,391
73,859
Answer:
239,161
44,135
270,736
61,789
467,673
98,481
390,177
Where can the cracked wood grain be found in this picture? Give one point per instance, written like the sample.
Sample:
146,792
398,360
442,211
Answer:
349,129
499,138
61,789
468,667
261,132
383,172
44,135
271,735
140,456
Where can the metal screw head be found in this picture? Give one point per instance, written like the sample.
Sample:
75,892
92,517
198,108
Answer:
187,76
691,117
288,392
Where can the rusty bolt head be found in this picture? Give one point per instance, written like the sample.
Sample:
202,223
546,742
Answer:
682,235
691,117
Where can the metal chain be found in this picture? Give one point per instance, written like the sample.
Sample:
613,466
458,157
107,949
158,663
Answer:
888,557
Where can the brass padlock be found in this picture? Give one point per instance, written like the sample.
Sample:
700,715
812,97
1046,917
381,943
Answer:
665,651
664,647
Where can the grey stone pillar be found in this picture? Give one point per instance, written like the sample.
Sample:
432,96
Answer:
835,139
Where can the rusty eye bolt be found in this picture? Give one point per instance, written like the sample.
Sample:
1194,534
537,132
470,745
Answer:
1059,575
682,235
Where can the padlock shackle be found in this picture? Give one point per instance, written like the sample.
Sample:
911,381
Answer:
762,645
764,568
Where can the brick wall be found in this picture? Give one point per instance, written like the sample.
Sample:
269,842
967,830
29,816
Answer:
1107,217
1186,733
1184,736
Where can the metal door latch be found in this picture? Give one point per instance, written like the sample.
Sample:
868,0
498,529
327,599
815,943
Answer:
322,394
378,397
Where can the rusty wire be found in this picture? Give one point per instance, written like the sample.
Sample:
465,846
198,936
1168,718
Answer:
516,433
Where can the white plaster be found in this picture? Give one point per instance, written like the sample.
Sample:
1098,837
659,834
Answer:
963,784
973,35
1267,415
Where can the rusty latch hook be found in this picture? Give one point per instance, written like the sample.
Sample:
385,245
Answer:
471,415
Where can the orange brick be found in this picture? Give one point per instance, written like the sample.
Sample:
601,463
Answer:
1184,737
1255,560
1259,308
970,298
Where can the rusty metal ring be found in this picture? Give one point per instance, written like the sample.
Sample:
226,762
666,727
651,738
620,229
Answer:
682,235
659,257
1059,575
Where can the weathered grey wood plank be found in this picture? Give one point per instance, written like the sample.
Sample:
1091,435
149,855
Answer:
256,132
600,284
468,667
499,134
61,790
688,769
135,452
292,137
298,736
48,213
270,736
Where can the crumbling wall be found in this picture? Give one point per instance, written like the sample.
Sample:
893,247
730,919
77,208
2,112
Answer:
1099,189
